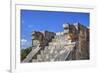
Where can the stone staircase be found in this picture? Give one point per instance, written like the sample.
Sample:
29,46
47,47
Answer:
31,54
59,46
57,50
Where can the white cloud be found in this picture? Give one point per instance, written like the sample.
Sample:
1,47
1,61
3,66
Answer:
30,26
24,43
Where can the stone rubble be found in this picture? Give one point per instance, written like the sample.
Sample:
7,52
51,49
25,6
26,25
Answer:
72,44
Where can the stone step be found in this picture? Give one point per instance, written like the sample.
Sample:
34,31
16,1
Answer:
42,54
31,54
53,55
56,40
62,55
39,58
51,51
49,47
47,58
46,50
34,60
56,51
60,42
55,43
57,36
60,37
46,47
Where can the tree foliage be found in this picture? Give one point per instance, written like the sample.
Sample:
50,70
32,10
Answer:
25,52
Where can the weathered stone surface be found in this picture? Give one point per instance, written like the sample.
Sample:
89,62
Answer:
72,44
82,46
42,37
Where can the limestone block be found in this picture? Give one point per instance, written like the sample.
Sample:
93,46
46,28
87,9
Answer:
34,60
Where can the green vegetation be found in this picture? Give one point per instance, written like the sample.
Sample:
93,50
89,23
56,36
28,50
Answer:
25,52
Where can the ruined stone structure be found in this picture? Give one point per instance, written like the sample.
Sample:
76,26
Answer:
71,44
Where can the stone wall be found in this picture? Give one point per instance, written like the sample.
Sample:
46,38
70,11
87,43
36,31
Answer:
71,44
81,50
42,37
84,42
77,33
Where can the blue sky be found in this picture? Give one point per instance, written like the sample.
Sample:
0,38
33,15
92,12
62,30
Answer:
47,20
